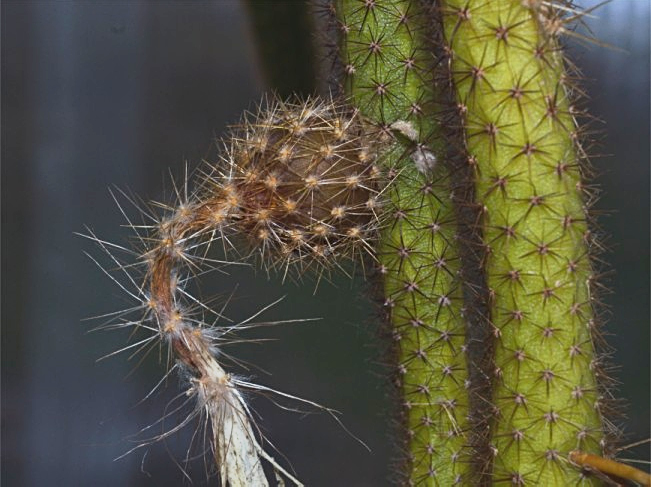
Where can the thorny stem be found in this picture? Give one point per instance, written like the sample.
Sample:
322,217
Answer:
387,71
296,186
521,137
235,446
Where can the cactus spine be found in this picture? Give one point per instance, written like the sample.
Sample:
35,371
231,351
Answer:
514,94
387,70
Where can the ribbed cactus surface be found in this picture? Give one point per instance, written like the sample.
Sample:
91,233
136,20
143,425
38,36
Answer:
388,73
521,136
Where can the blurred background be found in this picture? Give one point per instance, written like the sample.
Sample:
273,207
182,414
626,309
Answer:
96,94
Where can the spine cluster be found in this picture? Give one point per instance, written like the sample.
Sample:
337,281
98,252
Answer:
521,137
299,182
387,71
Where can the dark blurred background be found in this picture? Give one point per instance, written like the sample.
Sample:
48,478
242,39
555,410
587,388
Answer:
96,94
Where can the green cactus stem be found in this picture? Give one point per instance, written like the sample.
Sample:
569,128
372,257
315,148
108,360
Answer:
521,135
387,72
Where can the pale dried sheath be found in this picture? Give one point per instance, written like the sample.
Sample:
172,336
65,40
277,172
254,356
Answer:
234,444
238,454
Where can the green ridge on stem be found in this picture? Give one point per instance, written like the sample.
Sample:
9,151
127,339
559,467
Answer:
521,138
388,66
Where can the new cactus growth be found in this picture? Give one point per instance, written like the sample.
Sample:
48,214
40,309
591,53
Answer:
296,187
387,72
522,138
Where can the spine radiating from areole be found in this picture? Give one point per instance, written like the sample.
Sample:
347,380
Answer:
522,139
387,71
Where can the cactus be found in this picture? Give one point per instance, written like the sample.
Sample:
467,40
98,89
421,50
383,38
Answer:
522,138
309,185
387,66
